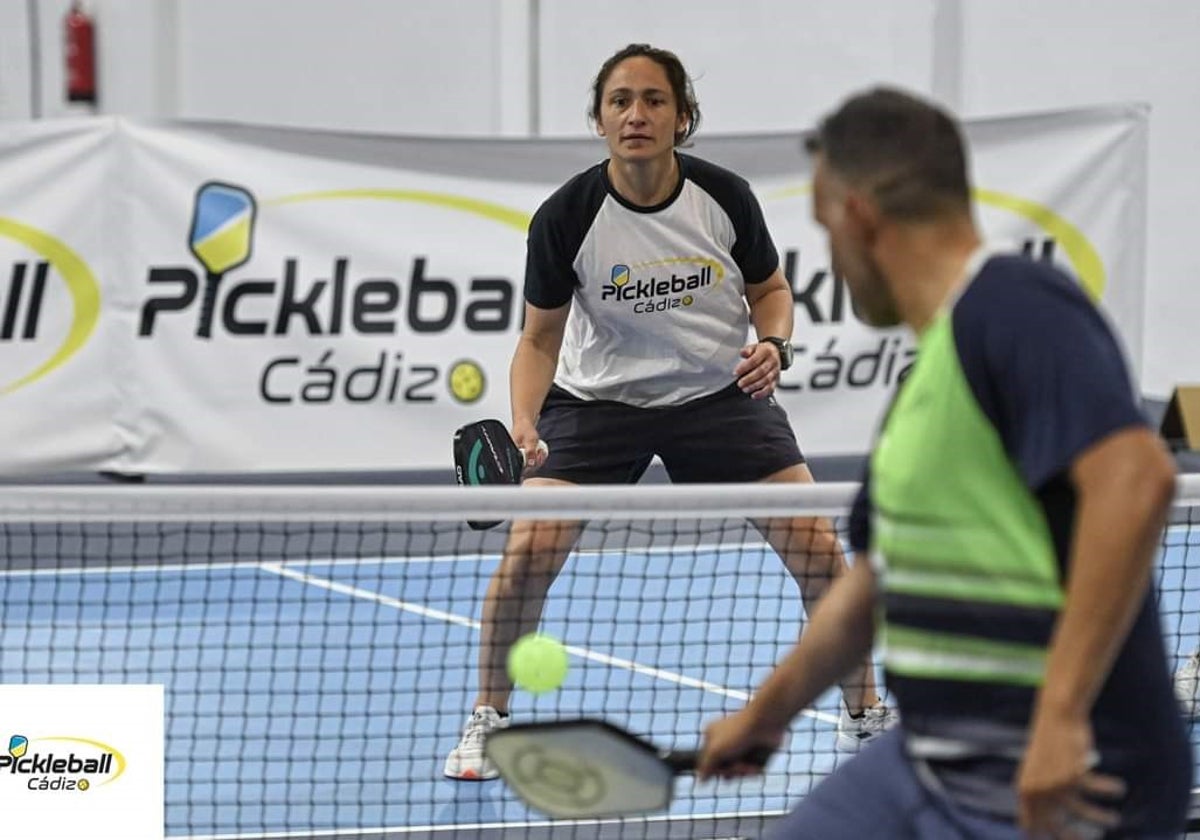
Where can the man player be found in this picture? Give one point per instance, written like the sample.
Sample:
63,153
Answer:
1010,512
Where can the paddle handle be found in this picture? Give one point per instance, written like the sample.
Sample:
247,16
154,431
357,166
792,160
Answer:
542,446
684,761
681,761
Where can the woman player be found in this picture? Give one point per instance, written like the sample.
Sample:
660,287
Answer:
644,275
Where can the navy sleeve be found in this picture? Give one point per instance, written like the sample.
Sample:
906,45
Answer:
1043,364
859,527
555,236
550,278
753,249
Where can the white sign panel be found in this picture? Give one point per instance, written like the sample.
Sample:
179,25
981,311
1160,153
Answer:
216,298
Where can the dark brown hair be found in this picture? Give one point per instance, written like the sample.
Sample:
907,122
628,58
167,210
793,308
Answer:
681,84
908,153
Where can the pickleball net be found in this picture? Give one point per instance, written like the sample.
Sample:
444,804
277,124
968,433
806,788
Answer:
318,644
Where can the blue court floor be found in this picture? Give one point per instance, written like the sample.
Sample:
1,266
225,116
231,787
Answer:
318,697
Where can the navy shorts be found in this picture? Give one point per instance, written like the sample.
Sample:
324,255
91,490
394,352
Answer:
878,794
722,437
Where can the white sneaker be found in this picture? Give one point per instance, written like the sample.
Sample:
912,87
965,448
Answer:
467,761
1187,685
853,733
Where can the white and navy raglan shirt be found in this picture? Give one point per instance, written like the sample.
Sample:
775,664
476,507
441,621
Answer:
658,312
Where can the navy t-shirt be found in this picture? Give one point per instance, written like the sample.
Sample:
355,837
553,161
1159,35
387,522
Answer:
1048,373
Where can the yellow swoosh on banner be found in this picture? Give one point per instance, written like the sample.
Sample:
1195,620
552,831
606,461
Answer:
509,216
1080,253
81,284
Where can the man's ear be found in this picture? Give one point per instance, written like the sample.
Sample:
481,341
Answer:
862,213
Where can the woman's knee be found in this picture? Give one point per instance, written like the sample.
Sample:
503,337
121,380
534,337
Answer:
535,552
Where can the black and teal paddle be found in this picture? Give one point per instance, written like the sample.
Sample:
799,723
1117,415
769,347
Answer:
485,454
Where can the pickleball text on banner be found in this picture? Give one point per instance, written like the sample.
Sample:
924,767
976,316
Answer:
187,297
82,761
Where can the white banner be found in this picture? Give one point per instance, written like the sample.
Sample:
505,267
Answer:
367,290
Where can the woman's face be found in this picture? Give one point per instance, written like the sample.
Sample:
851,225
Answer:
639,116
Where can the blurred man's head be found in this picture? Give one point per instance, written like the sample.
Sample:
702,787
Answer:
884,157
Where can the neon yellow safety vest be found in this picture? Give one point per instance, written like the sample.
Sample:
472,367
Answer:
957,532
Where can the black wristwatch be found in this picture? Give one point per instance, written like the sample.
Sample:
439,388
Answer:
784,347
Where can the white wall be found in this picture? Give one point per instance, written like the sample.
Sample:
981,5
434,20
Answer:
465,67
135,49
446,67
418,67
758,65
1021,55
15,90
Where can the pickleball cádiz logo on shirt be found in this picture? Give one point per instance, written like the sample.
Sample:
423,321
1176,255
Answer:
58,763
661,284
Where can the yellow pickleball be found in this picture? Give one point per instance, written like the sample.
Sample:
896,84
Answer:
538,663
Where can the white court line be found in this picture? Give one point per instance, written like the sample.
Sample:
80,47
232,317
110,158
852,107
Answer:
380,560
234,565
389,560
447,827
463,621
707,548
127,569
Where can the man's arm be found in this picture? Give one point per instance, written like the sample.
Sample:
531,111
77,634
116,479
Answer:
837,639
1124,485
532,371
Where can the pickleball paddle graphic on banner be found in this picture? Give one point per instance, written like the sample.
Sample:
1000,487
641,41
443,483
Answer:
17,746
221,237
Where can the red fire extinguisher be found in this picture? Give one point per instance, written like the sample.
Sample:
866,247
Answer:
80,34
